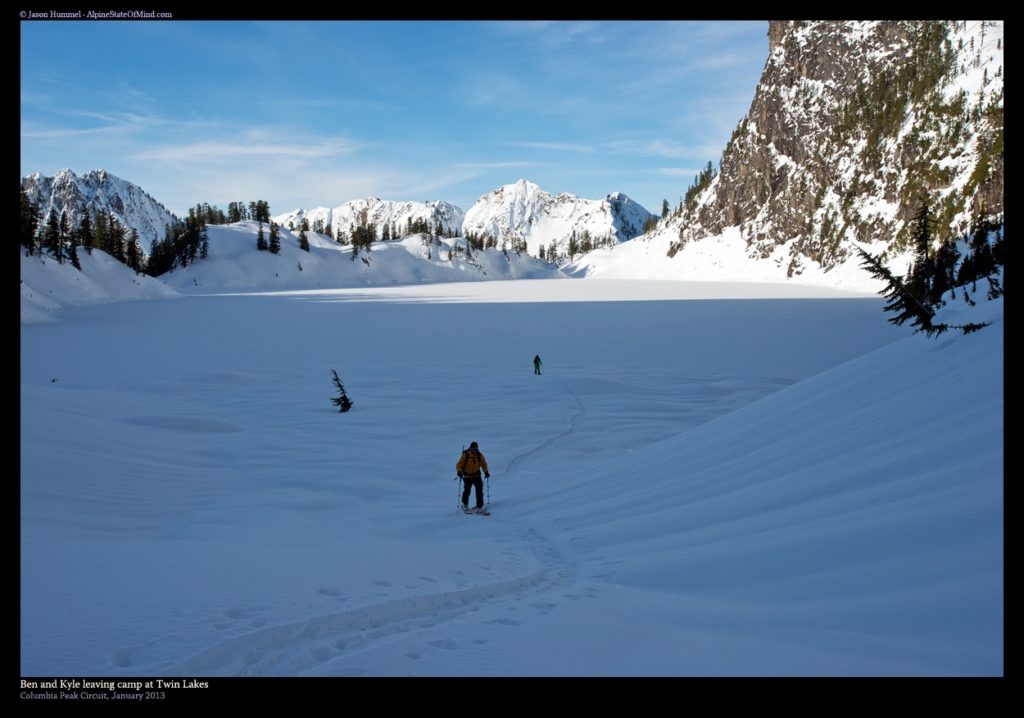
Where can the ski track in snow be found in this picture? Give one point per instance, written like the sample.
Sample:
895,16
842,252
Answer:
518,459
309,647
305,646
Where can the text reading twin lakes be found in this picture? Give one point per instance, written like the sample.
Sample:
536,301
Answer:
80,684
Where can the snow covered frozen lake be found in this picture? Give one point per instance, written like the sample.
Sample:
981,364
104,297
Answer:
710,480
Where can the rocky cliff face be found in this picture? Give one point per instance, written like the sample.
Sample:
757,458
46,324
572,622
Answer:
852,125
98,190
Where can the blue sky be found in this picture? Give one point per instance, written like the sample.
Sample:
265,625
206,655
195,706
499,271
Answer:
318,113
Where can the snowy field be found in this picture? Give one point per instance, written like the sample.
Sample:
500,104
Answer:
702,482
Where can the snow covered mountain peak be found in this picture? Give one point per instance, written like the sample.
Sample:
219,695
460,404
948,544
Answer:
522,211
96,191
398,216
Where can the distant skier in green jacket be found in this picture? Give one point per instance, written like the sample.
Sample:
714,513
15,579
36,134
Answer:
536,364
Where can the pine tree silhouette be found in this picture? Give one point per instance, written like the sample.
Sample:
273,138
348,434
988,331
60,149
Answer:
905,299
342,401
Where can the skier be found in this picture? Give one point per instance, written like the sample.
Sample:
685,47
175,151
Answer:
468,468
536,364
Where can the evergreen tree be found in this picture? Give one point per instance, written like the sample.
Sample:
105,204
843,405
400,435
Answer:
204,243
907,302
73,256
116,239
65,234
303,240
261,242
274,246
574,245
922,270
193,243
101,231
386,234
341,401
28,222
945,261
664,208
133,253
153,265
586,242
85,233
984,259
51,236
700,183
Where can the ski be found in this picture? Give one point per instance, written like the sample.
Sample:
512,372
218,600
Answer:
479,512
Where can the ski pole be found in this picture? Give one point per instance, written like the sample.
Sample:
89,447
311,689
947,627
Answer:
488,490
458,487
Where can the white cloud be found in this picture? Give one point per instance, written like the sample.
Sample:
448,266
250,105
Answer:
556,146
677,171
216,150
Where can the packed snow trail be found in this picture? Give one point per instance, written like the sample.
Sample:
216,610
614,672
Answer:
515,461
298,648
295,649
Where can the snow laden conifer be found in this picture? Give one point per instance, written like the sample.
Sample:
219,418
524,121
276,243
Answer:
341,401
85,233
275,238
261,242
918,297
28,222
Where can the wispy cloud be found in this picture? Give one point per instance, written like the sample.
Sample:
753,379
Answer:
208,151
651,148
666,148
555,33
677,171
499,165
556,146
68,133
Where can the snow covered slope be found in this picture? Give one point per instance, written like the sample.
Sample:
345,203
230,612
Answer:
722,258
379,212
99,190
235,263
47,286
526,212
704,487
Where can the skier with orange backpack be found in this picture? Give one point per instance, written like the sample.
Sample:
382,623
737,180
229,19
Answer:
468,468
